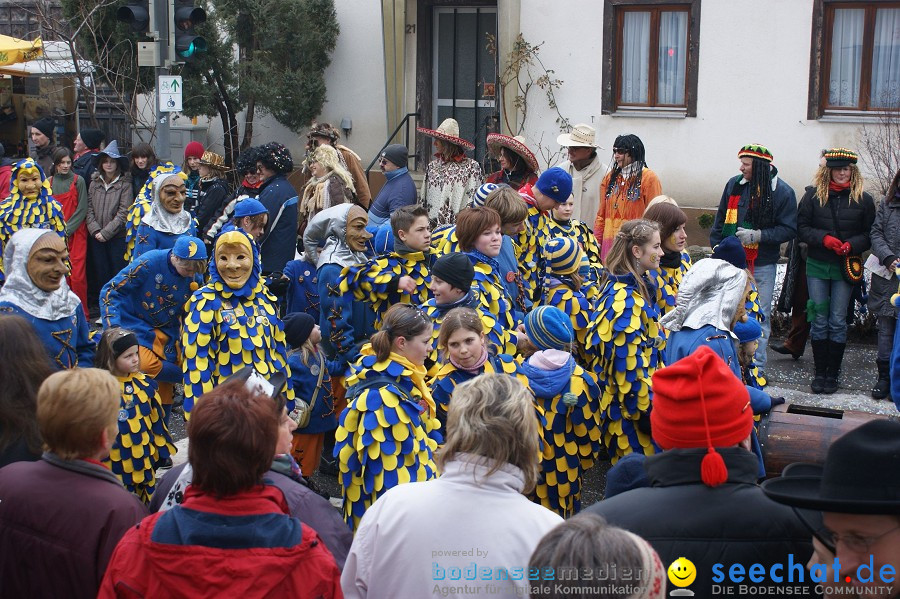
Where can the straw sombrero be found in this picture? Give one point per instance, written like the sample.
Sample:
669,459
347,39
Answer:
516,144
449,132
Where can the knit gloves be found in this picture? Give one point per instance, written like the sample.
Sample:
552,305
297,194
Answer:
748,236
836,245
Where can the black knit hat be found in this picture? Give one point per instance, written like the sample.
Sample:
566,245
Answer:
455,269
45,126
297,327
92,138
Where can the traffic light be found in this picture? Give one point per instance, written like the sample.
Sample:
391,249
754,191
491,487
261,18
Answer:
188,45
136,13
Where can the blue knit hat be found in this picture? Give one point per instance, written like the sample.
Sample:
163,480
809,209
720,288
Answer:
748,331
556,184
189,248
562,255
482,193
730,250
549,328
383,239
249,207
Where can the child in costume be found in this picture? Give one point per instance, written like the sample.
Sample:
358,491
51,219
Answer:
143,441
568,396
148,297
29,204
36,289
553,187
249,215
466,354
625,338
167,219
731,250
231,322
675,261
748,333
389,431
480,237
451,285
402,276
561,224
311,383
142,203
562,288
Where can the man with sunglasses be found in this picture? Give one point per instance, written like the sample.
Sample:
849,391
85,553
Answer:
399,190
857,492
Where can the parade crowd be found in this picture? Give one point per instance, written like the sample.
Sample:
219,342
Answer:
457,357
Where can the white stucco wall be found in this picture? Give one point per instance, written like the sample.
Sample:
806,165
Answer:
738,103
355,81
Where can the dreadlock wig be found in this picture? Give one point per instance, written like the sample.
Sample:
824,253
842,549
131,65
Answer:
635,148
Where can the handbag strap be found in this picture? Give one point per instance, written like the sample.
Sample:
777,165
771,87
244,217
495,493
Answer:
834,219
315,397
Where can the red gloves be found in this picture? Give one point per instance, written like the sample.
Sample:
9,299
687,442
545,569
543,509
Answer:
832,243
845,249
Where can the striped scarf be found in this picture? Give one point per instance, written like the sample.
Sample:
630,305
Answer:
730,226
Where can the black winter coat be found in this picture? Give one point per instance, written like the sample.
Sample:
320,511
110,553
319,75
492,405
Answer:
214,194
733,523
854,223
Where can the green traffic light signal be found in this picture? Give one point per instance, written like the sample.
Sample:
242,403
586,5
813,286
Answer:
188,45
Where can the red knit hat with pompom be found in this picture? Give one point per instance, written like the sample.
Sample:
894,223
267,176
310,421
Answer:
699,402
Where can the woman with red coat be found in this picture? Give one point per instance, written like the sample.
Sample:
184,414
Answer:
70,191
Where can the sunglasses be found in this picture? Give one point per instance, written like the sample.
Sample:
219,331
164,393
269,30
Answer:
621,151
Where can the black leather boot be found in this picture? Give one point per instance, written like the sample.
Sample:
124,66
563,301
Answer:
882,386
820,359
835,358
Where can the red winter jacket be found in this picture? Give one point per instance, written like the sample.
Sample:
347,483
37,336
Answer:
240,546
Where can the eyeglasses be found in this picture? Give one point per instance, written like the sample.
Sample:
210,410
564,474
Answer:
621,151
854,543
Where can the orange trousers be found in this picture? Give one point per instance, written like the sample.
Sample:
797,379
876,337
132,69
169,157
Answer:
151,365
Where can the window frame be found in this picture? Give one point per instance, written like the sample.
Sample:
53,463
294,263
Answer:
613,23
820,58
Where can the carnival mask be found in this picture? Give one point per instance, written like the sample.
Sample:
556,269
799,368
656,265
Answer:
47,262
234,261
356,235
28,180
172,194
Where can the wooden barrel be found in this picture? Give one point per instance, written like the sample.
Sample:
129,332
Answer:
797,433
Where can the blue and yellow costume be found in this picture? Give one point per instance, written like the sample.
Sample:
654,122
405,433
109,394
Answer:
375,282
667,280
624,343
57,316
226,329
582,235
18,212
142,203
559,292
569,400
489,289
305,380
449,376
149,239
303,288
143,438
529,244
388,433
148,297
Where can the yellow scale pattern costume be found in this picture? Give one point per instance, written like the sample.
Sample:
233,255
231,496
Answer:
387,434
142,203
372,282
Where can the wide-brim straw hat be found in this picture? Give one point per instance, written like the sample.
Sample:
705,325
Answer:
516,144
214,160
449,132
581,136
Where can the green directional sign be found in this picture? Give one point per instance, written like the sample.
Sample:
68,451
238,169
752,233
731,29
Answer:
169,89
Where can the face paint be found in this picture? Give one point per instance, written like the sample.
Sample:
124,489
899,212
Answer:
47,266
234,261
356,235
29,182
172,194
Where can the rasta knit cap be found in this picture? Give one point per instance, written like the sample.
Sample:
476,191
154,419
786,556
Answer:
194,149
732,251
698,402
562,255
454,269
748,330
276,157
189,248
756,151
549,328
839,157
482,193
556,184
297,328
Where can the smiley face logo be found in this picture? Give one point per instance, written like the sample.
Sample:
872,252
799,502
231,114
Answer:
682,572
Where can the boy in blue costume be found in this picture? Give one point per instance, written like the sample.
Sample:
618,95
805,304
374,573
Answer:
148,297
37,263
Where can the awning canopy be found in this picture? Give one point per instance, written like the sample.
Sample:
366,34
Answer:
56,60
13,50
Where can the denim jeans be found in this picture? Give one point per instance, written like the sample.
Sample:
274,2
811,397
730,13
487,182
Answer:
765,283
832,323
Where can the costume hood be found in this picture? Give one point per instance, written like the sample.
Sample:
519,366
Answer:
253,285
710,293
329,227
161,219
